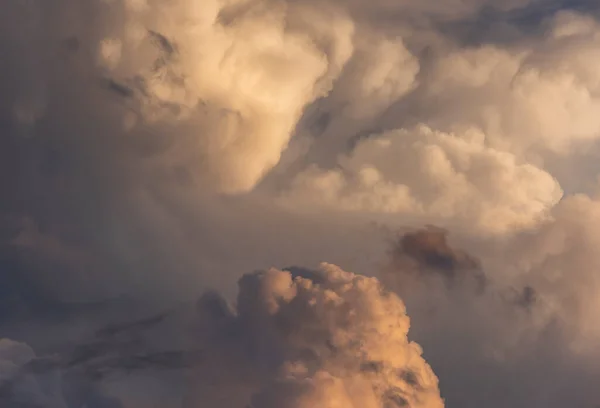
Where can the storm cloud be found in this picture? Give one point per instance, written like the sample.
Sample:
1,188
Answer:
152,151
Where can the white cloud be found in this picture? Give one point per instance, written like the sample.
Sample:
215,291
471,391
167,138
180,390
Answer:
539,95
436,174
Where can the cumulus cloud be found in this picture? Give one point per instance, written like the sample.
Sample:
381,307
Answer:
483,117
537,95
521,110
331,339
441,175
226,82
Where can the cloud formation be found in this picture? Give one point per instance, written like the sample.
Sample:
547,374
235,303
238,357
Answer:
517,330
150,150
440,175
331,339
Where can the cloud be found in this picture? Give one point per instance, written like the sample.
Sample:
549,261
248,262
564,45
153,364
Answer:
440,175
528,324
426,253
292,341
522,96
333,341
230,81
20,388
521,111
559,260
150,150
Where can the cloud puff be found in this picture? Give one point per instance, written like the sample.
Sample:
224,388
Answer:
330,340
241,76
474,119
221,85
425,254
538,94
441,175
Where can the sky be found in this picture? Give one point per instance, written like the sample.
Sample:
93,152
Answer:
298,204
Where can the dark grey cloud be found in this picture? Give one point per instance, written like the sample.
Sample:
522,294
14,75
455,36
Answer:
427,252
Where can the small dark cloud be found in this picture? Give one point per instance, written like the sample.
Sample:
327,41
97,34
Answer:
163,42
371,366
118,88
526,297
132,326
410,377
426,252
159,360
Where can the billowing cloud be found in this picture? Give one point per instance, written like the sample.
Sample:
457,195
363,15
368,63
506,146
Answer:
331,339
536,95
436,174
150,150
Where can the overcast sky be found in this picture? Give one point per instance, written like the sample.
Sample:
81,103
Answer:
299,204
